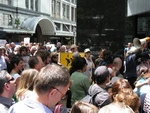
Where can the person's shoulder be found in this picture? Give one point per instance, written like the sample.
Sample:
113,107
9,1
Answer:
3,109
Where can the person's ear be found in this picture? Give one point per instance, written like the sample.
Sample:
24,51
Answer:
6,86
52,93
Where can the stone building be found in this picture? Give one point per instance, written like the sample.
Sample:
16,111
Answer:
41,20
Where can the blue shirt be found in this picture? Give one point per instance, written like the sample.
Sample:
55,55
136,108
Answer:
29,106
143,89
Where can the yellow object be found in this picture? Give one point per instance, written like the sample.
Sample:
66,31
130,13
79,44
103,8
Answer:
66,58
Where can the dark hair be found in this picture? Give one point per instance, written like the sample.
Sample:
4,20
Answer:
15,60
23,48
44,54
33,61
77,63
101,78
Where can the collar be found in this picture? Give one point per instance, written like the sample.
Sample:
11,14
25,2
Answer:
6,101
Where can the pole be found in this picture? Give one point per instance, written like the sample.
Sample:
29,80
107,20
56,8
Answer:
74,34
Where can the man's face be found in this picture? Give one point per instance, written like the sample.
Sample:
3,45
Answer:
40,64
11,85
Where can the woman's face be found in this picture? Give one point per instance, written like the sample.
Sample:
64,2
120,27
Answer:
20,65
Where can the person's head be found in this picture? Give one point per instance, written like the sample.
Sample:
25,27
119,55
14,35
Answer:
26,82
17,62
102,75
17,49
83,107
45,55
79,63
128,97
33,50
74,48
54,57
76,54
117,62
116,107
23,51
87,53
63,48
35,62
118,86
51,84
7,84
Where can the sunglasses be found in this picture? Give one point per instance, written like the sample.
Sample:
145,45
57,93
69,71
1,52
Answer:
12,79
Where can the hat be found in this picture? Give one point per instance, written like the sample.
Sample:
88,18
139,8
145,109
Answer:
101,71
87,50
75,54
73,46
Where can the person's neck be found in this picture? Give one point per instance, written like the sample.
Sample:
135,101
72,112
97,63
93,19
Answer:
102,85
80,71
40,98
14,71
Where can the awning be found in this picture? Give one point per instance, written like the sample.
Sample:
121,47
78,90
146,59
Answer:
13,30
47,26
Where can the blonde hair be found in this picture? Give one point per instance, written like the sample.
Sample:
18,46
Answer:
83,107
26,81
116,107
129,98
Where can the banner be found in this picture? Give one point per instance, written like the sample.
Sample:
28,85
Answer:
2,42
66,59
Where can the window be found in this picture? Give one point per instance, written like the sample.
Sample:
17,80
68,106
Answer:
58,8
57,26
27,4
7,20
36,5
53,7
72,14
7,2
64,10
31,6
65,27
68,10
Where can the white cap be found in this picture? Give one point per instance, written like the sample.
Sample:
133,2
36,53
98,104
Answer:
87,50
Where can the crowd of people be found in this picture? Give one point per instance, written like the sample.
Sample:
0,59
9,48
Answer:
33,80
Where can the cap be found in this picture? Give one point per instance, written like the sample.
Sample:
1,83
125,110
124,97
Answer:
86,50
101,71
75,54
73,46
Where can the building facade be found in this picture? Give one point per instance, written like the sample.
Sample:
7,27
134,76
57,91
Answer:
41,20
139,10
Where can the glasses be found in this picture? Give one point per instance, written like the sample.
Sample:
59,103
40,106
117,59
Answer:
63,95
12,79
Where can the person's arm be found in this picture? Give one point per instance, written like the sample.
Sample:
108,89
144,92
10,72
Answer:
143,83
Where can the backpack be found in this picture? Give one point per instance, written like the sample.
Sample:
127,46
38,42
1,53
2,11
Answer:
89,98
